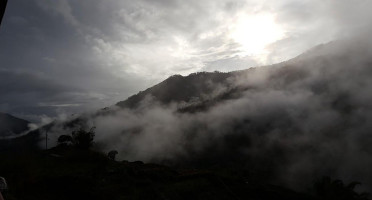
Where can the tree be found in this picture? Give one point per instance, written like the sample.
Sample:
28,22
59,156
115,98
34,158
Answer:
83,139
64,139
329,189
112,154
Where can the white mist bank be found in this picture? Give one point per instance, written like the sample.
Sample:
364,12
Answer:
308,118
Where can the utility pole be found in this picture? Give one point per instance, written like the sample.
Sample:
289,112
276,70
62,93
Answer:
46,140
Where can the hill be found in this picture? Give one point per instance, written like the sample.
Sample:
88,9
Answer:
14,136
177,89
11,126
290,123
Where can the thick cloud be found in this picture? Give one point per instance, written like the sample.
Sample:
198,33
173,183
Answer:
295,121
106,51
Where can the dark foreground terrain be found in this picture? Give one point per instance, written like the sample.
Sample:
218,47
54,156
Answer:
69,173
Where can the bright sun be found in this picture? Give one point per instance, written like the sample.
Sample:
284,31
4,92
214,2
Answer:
254,33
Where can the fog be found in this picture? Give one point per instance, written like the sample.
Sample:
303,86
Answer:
298,120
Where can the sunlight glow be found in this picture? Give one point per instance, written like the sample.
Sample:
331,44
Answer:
254,33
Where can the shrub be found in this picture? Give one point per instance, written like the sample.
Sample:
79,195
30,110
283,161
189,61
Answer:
329,189
83,139
112,154
64,139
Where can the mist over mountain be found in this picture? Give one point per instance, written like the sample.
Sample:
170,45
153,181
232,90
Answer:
11,126
169,99
291,122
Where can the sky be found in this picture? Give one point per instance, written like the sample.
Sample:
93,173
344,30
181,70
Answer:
63,56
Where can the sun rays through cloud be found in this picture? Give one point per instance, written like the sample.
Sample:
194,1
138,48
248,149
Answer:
254,32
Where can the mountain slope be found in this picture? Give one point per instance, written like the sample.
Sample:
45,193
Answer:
178,89
307,117
10,125
289,123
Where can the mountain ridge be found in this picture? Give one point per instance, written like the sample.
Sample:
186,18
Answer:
278,120
10,125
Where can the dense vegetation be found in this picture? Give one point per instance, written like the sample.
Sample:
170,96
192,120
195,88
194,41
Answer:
70,173
73,171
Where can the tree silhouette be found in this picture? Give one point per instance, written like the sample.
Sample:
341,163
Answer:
83,139
64,139
112,154
329,189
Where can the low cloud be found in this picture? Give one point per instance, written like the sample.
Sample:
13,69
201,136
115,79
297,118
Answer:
297,120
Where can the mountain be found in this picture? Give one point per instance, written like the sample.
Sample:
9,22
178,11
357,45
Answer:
288,123
177,88
10,125
202,87
13,135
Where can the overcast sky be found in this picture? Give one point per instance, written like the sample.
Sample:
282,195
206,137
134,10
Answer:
67,56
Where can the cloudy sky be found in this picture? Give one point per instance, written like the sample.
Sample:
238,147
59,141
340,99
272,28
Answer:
65,56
